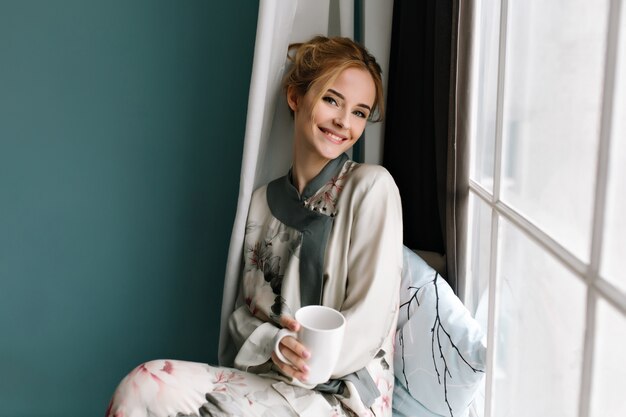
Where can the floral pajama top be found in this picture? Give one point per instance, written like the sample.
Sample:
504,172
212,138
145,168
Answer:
339,244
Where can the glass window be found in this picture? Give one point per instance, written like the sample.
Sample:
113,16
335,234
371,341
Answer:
477,278
486,94
614,259
609,367
552,108
540,327
479,244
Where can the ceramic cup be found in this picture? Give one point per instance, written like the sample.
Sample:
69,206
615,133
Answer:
321,332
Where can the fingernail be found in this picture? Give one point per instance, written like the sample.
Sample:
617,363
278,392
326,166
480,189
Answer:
306,354
306,368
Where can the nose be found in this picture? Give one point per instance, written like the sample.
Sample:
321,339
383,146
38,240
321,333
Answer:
342,120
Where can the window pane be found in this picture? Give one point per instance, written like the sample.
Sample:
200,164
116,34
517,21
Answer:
607,395
478,251
539,331
614,249
552,105
486,93
476,297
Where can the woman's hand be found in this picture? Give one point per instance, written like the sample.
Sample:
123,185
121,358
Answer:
294,351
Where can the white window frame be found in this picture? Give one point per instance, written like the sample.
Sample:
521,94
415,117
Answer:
588,272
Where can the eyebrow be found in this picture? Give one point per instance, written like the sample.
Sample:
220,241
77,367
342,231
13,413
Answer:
338,94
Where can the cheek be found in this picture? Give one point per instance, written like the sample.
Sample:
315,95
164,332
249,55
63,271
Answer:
306,122
358,129
321,115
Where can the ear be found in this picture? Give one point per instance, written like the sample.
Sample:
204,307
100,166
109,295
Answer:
292,98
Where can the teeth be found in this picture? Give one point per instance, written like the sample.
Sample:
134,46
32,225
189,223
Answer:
333,136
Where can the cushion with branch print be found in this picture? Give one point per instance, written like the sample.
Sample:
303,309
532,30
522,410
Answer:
440,348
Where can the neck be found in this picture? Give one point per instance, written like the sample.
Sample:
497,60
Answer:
305,168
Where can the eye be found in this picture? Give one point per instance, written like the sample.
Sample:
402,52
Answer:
359,113
330,100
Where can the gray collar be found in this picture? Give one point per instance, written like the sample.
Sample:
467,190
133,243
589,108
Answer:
288,206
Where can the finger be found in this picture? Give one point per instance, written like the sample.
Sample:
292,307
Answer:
289,323
295,360
294,345
289,370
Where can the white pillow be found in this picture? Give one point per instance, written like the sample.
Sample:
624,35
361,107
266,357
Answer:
422,356
404,405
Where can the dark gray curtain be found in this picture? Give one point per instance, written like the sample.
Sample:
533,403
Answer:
421,149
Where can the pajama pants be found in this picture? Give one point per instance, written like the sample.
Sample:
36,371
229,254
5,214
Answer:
170,388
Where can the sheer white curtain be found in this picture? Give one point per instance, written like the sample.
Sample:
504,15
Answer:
267,144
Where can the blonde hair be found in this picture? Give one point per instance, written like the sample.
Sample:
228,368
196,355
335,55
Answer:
318,63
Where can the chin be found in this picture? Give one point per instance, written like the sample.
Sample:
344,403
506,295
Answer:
330,155
332,151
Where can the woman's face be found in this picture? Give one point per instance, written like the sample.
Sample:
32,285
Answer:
327,128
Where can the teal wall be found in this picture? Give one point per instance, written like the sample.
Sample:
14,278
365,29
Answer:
121,132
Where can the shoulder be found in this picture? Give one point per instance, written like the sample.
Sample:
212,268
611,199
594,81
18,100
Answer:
368,177
259,192
259,197
371,197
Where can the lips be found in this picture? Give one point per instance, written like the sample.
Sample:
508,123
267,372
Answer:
333,136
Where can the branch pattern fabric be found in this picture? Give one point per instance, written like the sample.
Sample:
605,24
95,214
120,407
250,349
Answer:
441,355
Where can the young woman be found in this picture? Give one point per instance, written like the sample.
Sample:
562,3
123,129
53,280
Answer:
330,233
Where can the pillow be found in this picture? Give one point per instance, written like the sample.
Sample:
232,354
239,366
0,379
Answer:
404,405
440,350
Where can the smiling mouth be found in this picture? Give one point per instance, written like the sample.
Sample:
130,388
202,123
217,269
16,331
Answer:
332,136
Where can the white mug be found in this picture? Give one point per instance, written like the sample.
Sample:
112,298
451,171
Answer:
321,332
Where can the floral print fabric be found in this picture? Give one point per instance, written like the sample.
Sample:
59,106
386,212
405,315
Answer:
361,277
361,274
168,388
